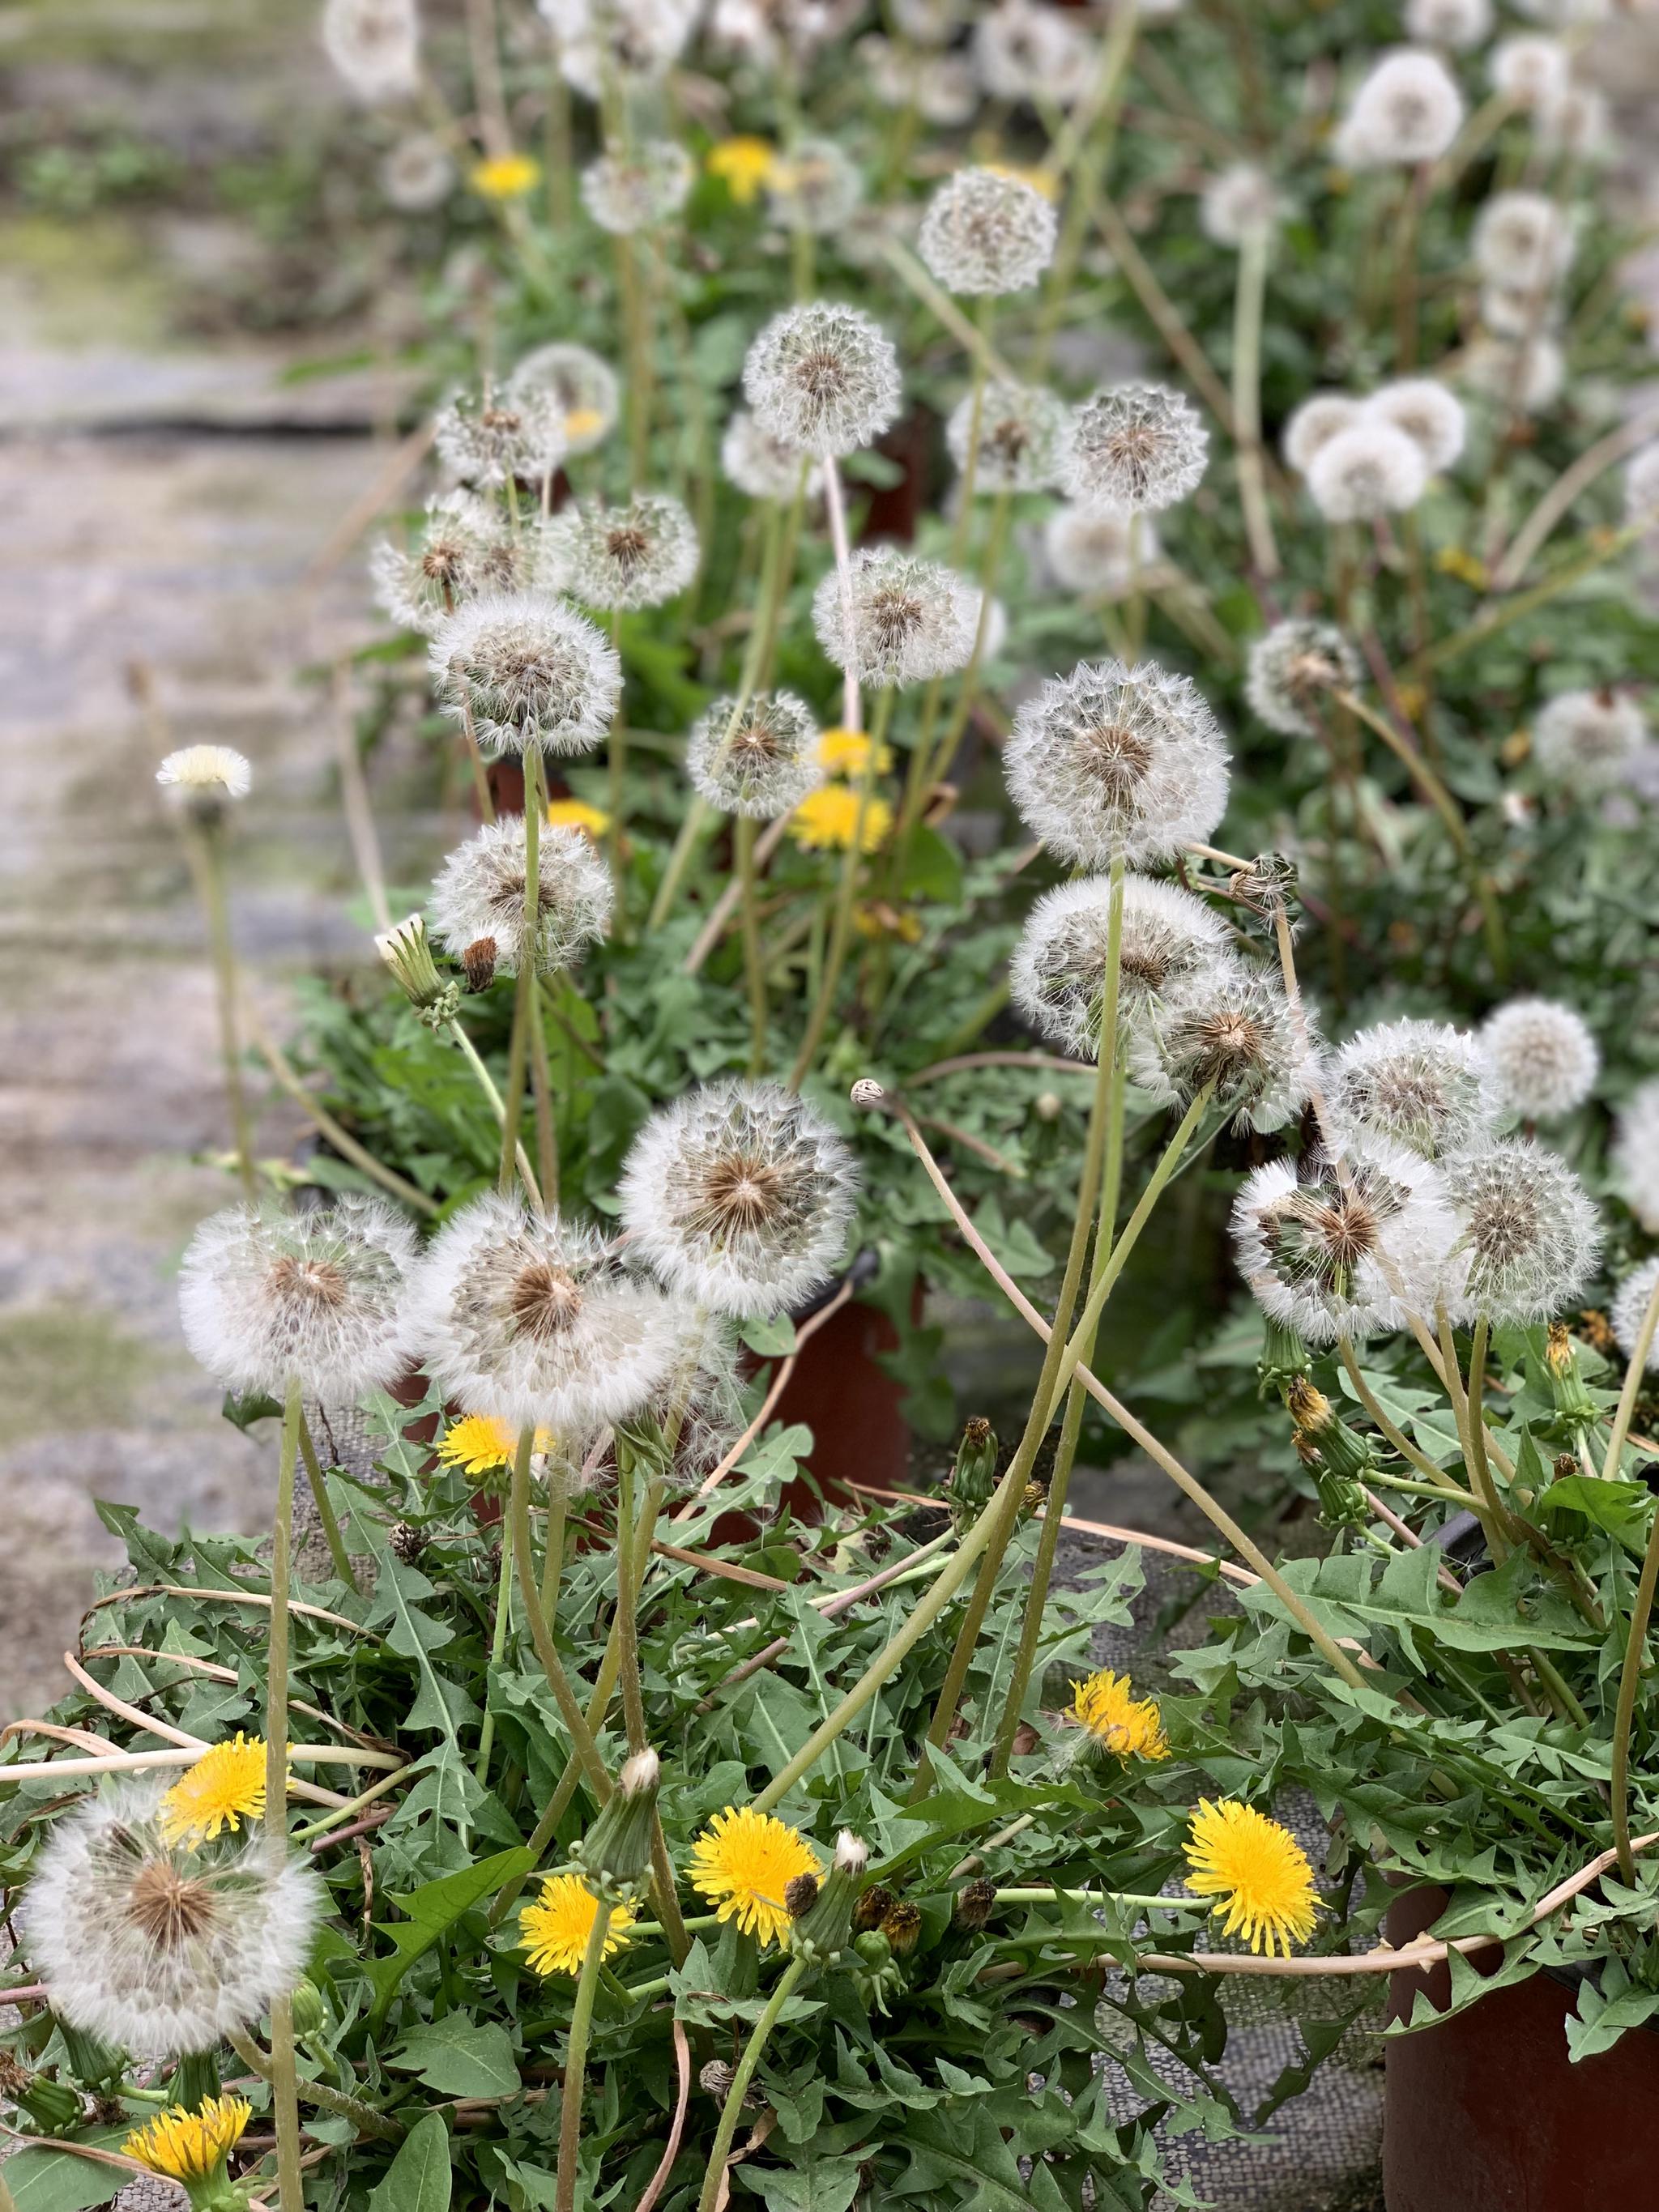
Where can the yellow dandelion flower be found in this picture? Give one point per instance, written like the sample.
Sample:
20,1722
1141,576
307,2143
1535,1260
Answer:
1042,180
825,819
1468,567
846,752
745,164
188,2146
1257,1872
225,1786
1107,1706
583,423
557,1928
506,177
577,814
479,1444
743,1863
879,919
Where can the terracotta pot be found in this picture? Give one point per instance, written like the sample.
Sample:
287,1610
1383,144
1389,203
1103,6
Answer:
506,777
1486,2113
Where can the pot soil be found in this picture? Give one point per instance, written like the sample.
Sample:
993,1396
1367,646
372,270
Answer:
1485,2112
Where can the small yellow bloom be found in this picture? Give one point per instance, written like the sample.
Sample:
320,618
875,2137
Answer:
558,1927
583,423
506,176
1107,1706
745,164
577,814
1042,180
1257,1872
1516,748
225,1786
480,1444
846,752
743,1863
879,919
1468,567
189,2146
826,819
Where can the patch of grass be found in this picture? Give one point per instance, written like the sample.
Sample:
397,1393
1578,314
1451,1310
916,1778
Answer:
68,1367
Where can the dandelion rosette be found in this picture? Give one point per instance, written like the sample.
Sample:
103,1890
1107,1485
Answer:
1314,423
626,193
1407,109
1587,739
1543,1056
1058,973
1138,448
1114,760
1239,202
1633,1154
527,671
556,1927
823,378
1257,1872
739,1195
1025,51
1370,470
478,897
489,440
761,463
1424,1085
1629,1311
757,757
267,1295
1530,1234
158,1948
912,620
1018,448
375,45
462,550
1104,1705
1295,664
1229,1029
1091,549
621,558
987,233
1430,415
529,1317
744,1862
581,385
813,188
225,1786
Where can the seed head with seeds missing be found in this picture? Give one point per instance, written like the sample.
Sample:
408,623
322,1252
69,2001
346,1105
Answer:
911,619
375,45
1406,110
1543,1057
759,758
739,1195
619,558
159,1948
462,549
1113,759
1089,548
265,1294
528,1317
1633,1154
823,378
1629,1311
479,894
1586,739
1529,1234
1020,433
1314,423
1431,417
1292,667
1139,447
813,188
1228,1026
583,388
1423,1085
491,439
626,193
529,669
987,233
1370,470
1058,971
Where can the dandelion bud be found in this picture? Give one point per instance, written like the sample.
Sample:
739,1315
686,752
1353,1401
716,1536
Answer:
621,558
1543,1057
200,781
901,1926
306,2003
1585,740
527,671
407,954
54,2107
973,1476
1370,470
911,620
800,1894
1284,1357
1406,111
871,1907
985,232
1529,1238
872,1948
626,193
1630,1308
1573,1402
824,377
614,1856
1138,448
1047,1106
867,1094
757,757
974,1902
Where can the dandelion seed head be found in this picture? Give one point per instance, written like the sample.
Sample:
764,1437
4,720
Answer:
1424,1086
701,1401
265,1294
1238,203
739,1196
1112,759
1019,444
814,187
529,671
1314,423
626,193
1629,1310
1227,1026
911,619
479,892
1294,665
942,88
461,550
1531,70
1523,242
491,439
1430,415
200,781
1089,548
1137,447
375,46
1633,1155
1527,372
639,555
602,42
930,23
162,1950
1372,470
1543,1057
1059,969
1580,123
1528,1236
762,465
1407,109
1587,740
1257,1872
988,233
759,758
417,174
823,378
1026,51
1460,24
582,387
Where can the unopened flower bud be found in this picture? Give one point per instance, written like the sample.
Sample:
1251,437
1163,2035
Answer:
407,954
478,964
614,1856
823,1931
1047,1106
973,1478
873,1948
871,1907
1573,1402
1284,1357
867,1093
309,2011
1338,1456
974,1902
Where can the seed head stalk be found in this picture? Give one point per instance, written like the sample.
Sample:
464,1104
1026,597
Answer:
1628,1394
1630,1672
497,1652
570,1711
524,998
575,2058
1250,301
847,890
754,960
716,2179
284,2093
205,851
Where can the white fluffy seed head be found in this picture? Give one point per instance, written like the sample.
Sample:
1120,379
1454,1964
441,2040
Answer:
1114,760
1633,1154
1089,548
762,465
700,1400
1543,1057
1587,740
1239,202
478,895
375,45
823,378
1423,1085
1523,242
1314,423
1292,667
814,187
1058,973
1019,444
156,1948
1527,374
942,88
1409,109
461,550
529,671
527,1317
200,781
739,1196
1456,23
988,233
759,758
490,439
1528,1237
1026,51
631,43
1344,1246
1372,470
1532,71
911,620
582,387
628,192
265,1294
1139,447
639,555
1580,123
418,174
1430,415
1230,1029
1628,1313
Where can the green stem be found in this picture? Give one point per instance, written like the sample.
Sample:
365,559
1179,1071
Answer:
558,1492
367,2119
283,2089
575,2058
1092,135
1630,1676
486,1083
1434,1478
530,940
754,959
541,1084
497,1650
716,2179
205,848
1634,1371
1491,1511
616,757
558,1681
852,865
331,1536
1248,303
